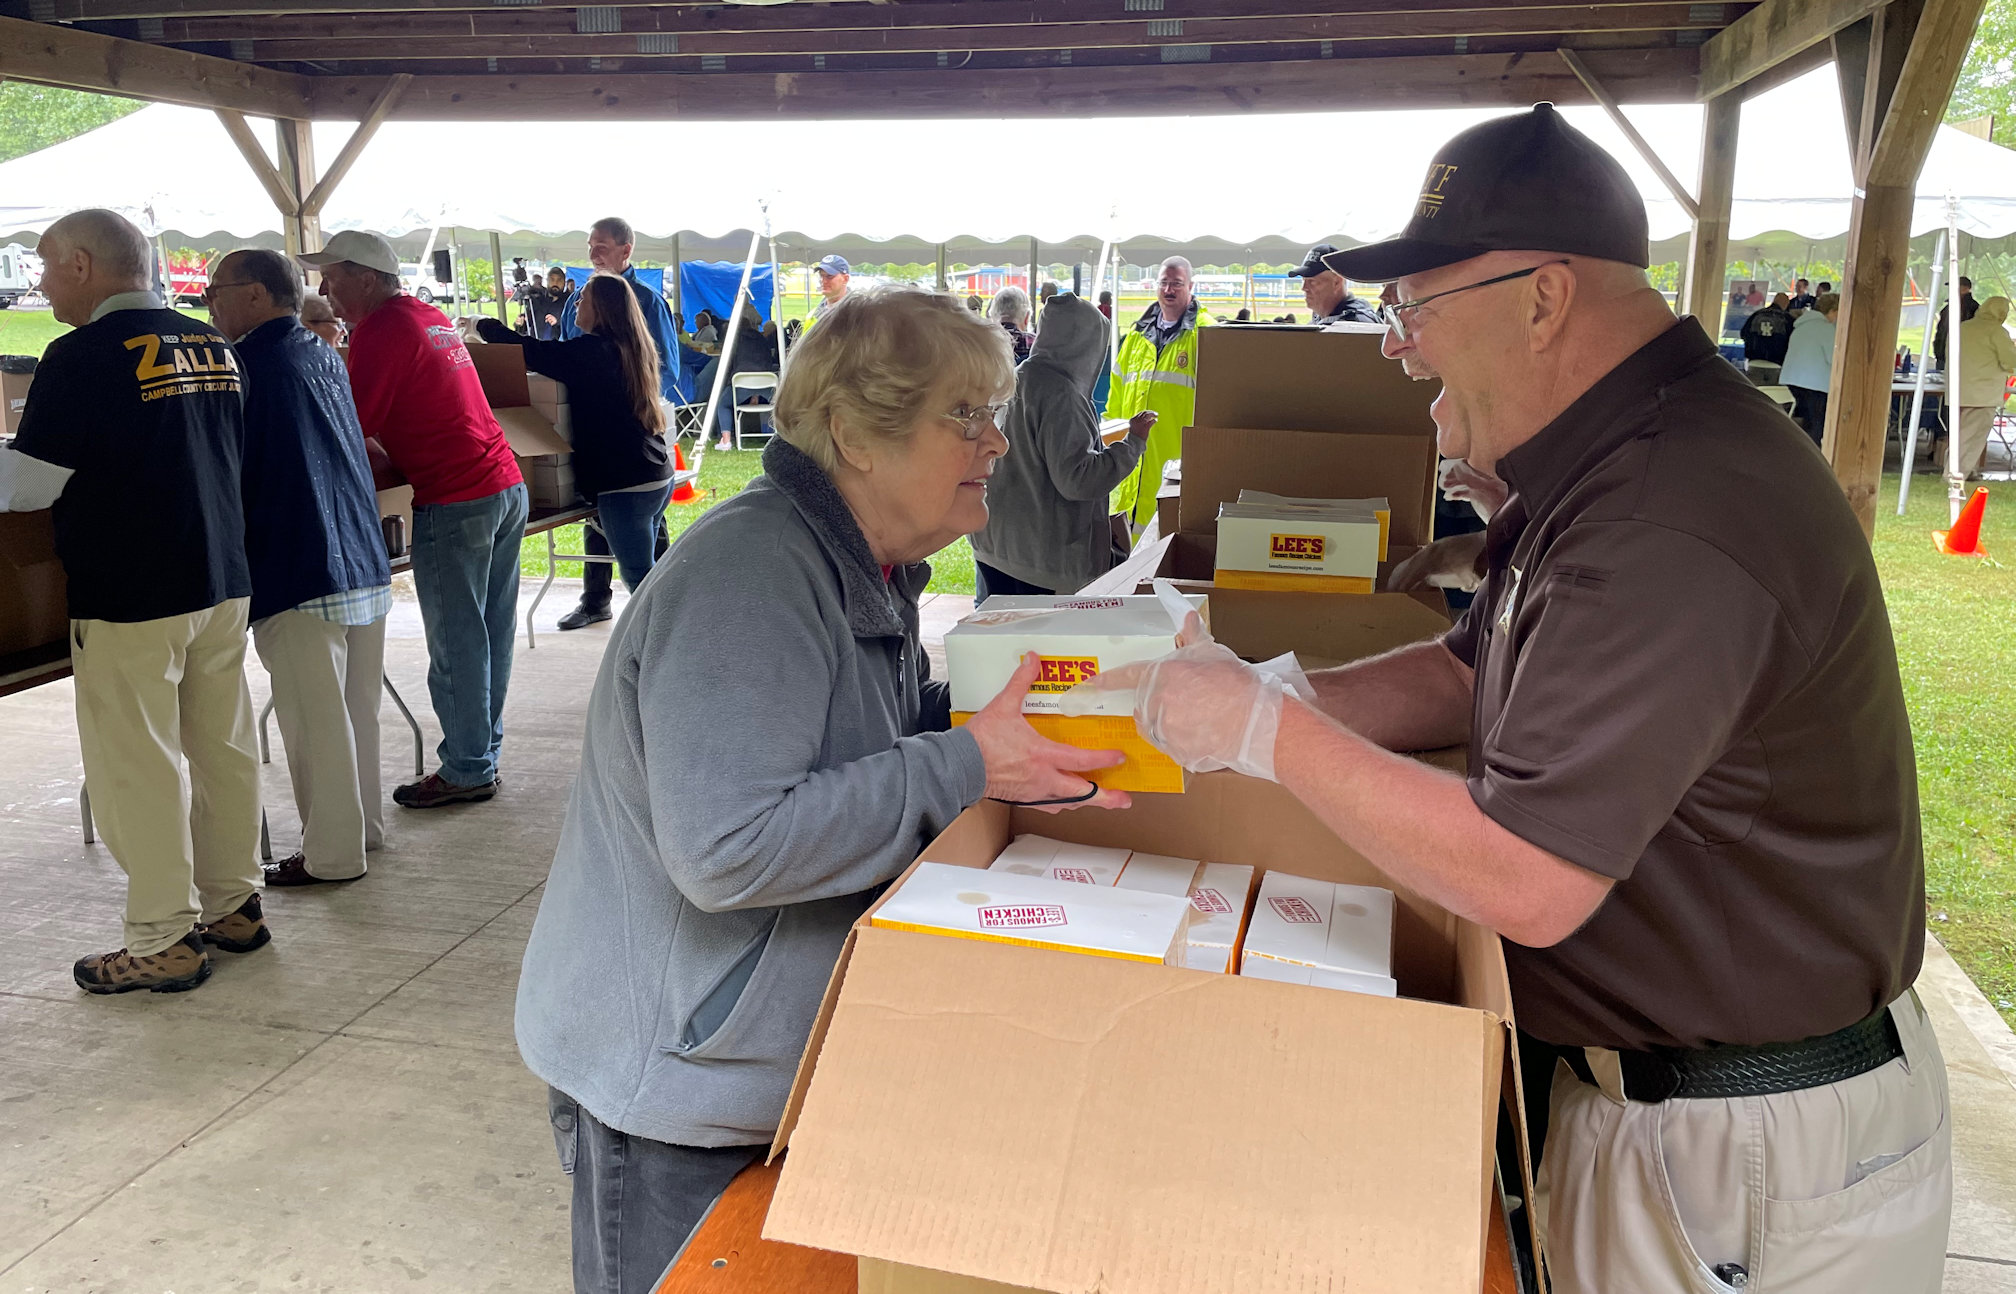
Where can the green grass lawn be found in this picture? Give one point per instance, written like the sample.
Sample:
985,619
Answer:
1955,623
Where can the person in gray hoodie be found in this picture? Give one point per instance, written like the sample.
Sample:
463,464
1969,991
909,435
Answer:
1047,526
765,751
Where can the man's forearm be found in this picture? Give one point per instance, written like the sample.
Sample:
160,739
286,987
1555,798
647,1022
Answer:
1414,698
1419,826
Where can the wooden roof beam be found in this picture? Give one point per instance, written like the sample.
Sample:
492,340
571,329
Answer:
871,13
1652,17
1924,85
1633,76
1623,123
82,60
547,20
1768,35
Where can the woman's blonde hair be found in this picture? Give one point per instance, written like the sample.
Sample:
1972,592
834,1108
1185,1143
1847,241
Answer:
878,361
1827,303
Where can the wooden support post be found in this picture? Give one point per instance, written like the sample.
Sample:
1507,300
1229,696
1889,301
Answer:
1033,254
497,279
241,134
1623,123
943,283
1915,51
302,229
1708,248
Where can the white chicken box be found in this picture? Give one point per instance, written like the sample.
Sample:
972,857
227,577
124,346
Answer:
1321,933
1037,912
1060,860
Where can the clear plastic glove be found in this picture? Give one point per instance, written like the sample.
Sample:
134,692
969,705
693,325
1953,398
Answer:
1201,705
1483,492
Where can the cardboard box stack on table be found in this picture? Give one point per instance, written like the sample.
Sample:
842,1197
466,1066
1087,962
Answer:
1077,639
1303,414
533,412
978,1116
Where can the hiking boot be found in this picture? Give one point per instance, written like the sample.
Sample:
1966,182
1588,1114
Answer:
177,968
241,932
431,792
584,615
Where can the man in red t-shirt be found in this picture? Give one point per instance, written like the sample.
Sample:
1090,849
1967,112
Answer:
419,399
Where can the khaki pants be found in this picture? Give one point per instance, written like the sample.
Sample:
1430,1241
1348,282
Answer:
151,695
326,688
1842,1187
1976,421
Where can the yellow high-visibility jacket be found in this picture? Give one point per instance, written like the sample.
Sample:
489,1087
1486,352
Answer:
1164,382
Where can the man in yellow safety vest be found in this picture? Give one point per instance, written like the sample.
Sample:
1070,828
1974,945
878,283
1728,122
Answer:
1157,371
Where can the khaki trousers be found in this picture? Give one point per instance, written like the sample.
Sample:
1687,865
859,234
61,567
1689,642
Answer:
1976,421
326,687
1835,1188
151,695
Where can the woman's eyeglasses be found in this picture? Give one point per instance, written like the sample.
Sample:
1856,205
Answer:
974,422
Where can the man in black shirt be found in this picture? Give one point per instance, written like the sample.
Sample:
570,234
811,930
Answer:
1767,332
134,429
1328,296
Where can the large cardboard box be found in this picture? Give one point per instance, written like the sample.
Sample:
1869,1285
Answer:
971,1114
1063,1123
1296,379
34,610
532,433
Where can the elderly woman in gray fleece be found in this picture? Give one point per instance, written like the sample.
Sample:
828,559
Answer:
765,751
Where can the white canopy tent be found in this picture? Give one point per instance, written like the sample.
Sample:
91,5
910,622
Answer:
1227,189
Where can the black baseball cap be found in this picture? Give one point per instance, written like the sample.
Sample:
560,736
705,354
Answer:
1312,264
1530,182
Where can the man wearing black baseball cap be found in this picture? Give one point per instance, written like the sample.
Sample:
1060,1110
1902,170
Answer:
1691,808
1327,295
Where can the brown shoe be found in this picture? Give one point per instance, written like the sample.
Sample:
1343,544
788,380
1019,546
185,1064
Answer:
431,792
293,870
241,932
175,969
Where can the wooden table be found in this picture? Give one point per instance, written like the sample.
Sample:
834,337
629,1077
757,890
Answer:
728,1254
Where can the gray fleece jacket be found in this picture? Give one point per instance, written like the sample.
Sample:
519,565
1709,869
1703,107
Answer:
1046,504
765,750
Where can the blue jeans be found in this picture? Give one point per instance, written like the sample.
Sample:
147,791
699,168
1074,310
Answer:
635,1200
630,524
465,567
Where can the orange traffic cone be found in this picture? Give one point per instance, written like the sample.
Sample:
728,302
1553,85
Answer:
1964,539
685,493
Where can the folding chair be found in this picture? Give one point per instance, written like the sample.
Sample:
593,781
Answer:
741,382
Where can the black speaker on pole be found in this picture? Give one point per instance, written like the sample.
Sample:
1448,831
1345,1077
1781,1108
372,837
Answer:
444,266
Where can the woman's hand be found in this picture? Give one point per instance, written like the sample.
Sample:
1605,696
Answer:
1023,766
1141,424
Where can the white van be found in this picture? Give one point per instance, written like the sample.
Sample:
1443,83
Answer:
19,273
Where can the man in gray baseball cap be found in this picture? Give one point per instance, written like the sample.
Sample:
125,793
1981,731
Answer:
1690,809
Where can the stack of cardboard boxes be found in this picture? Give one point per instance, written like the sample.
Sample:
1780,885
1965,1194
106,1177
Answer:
34,607
532,410
973,1115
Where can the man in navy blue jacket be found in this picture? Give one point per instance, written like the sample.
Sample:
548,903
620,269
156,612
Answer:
610,242
321,586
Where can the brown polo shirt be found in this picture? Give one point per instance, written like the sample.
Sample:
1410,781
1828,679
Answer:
1686,682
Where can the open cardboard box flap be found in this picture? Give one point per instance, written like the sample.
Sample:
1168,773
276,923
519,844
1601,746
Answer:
1298,379
505,385
1073,1123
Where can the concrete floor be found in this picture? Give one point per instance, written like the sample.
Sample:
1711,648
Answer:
345,1111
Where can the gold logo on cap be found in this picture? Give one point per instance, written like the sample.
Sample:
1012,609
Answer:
1439,174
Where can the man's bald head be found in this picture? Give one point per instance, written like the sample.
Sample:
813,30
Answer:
88,256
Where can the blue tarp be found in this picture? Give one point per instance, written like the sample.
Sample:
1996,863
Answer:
710,286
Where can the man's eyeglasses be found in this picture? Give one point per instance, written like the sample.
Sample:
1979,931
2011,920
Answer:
1396,313
210,292
974,422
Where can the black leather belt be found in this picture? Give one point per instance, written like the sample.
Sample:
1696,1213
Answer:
1710,1073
